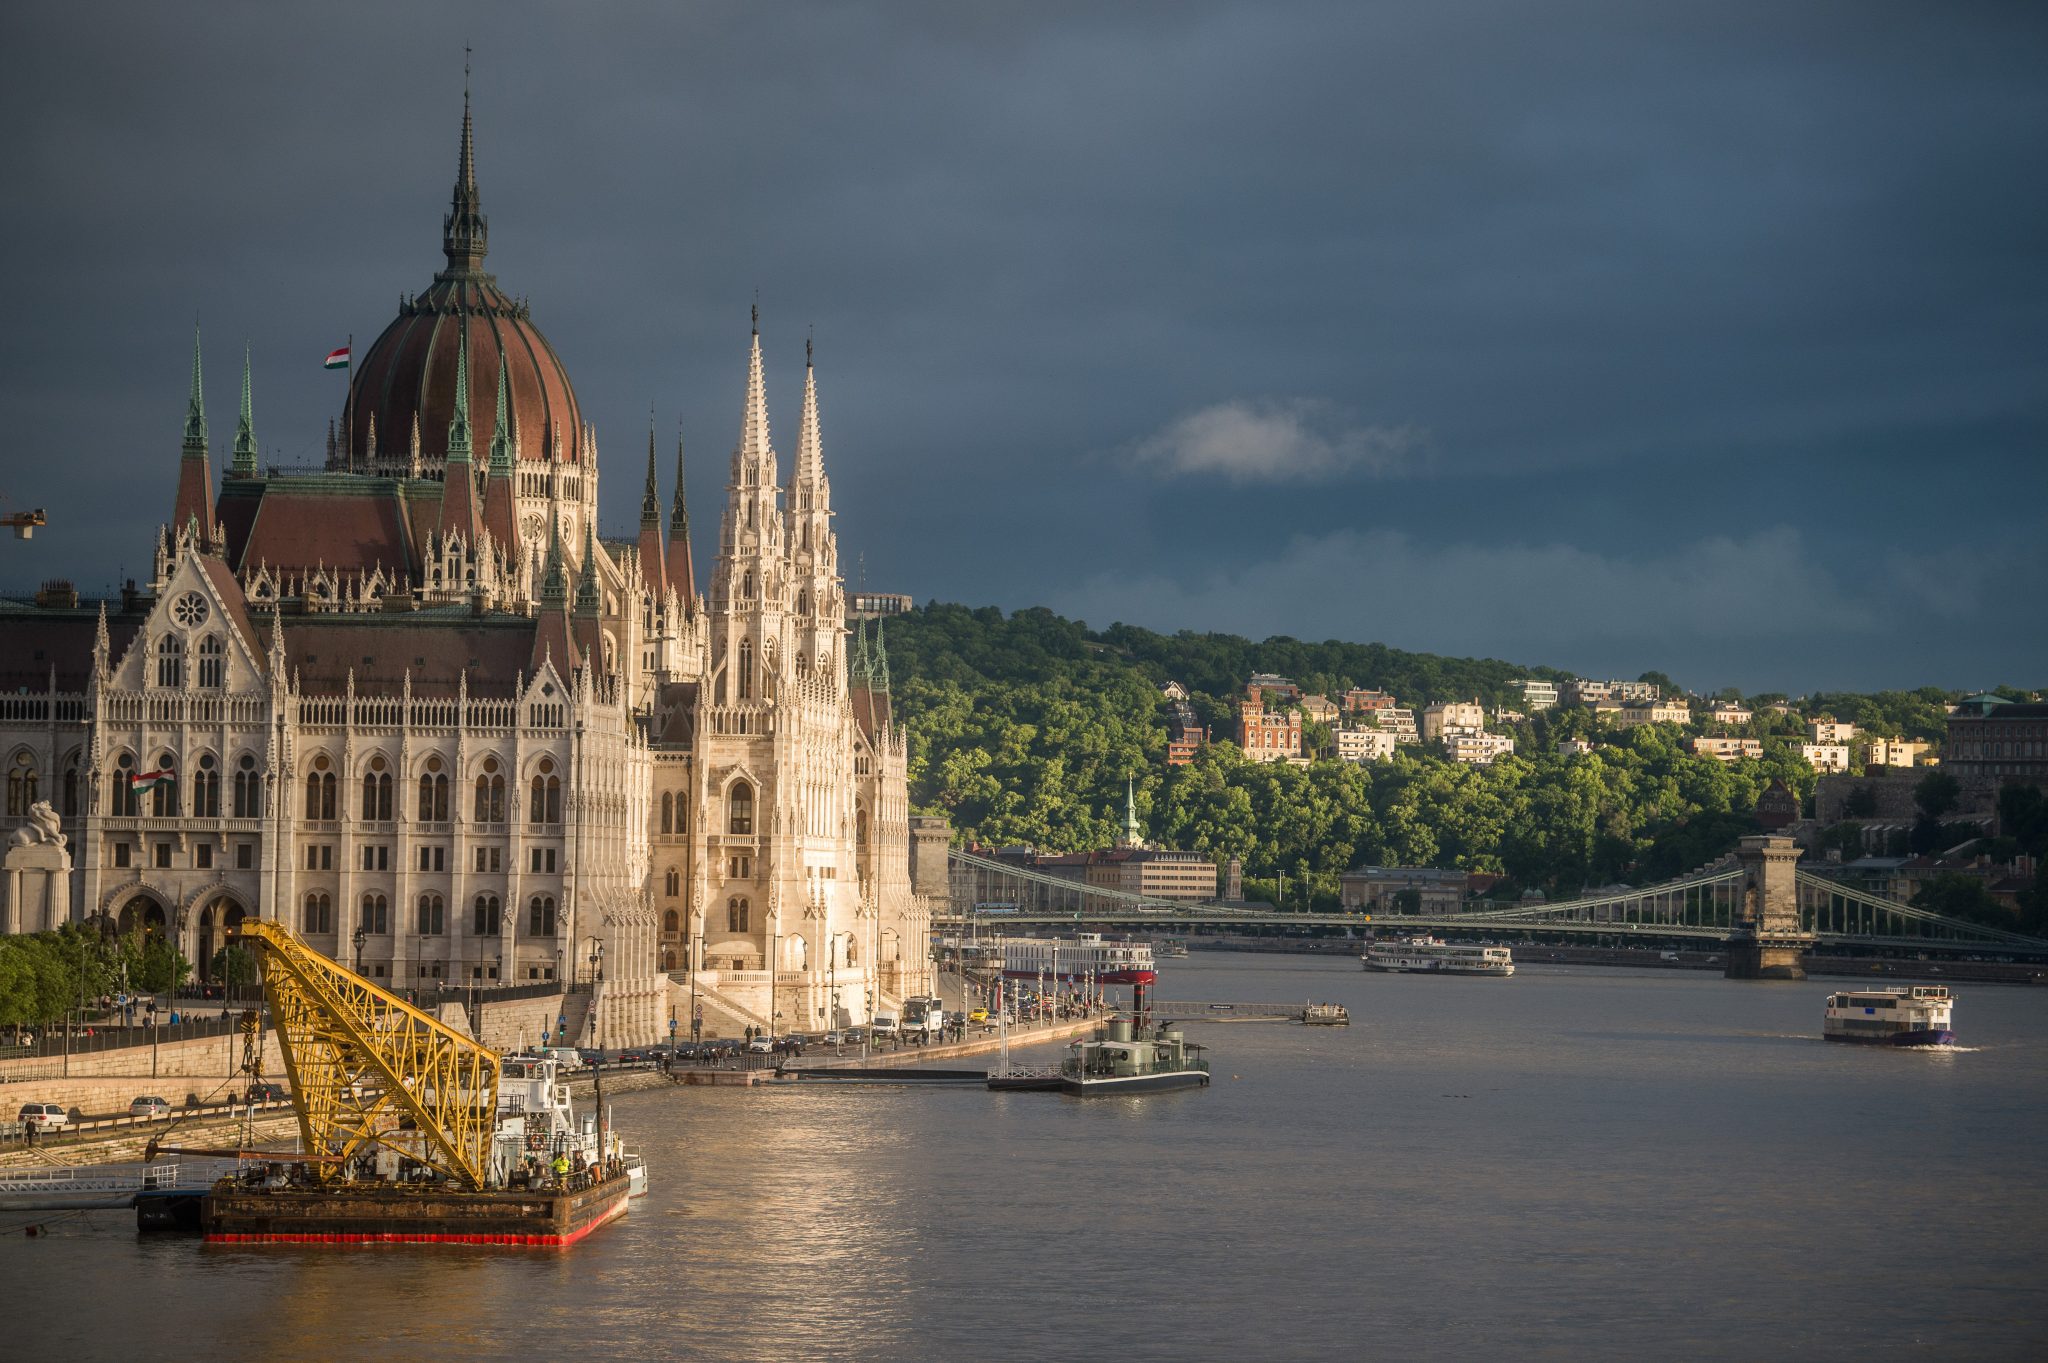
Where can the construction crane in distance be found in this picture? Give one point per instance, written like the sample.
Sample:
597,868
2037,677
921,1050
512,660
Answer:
25,523
360,1059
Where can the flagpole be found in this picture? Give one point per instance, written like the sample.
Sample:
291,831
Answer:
348,411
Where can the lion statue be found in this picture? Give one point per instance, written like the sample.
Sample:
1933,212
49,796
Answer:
43,826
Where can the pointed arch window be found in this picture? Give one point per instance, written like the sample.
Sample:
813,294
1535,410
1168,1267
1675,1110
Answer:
490,793
71,787
736,914
670,922
248,788
163,796
21,784
743,682
433,915
740,809
206,788
488,916
320,790
170,661
319,915
125,802
376,915
213,663
672,884
433,806
377,789
668,804
540,916
545,806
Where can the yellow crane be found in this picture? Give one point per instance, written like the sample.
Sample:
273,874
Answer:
361,1060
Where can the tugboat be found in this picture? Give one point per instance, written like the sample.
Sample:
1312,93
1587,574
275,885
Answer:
1129,1057
1891,1017
412,1132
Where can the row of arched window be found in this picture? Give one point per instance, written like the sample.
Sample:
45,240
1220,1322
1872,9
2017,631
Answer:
674,818
487,918
322,793
170,662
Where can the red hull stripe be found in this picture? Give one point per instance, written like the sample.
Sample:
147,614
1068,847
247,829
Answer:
421,1238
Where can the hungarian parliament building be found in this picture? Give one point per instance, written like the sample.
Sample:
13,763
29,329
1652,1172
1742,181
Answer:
412,705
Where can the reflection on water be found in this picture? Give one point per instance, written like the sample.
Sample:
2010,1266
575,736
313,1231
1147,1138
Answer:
1582,1165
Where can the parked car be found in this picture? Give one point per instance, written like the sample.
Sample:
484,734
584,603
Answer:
44,1116
761,1045
591,1055
856,1036
266,1093
835,1037
149,1107
633,1055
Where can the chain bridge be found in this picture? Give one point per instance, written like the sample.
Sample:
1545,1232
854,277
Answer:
1756,901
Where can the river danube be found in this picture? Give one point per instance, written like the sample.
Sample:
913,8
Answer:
1570,1164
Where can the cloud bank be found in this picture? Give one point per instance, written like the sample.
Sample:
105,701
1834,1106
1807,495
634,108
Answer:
1293,440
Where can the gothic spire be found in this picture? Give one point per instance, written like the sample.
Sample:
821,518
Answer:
194,504
244,465
650,496
754,448
554,584
810,451
681,574
879,666
587,597
501,429
195,405
458,424
465,231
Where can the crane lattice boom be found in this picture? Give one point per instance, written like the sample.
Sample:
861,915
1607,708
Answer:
359,1057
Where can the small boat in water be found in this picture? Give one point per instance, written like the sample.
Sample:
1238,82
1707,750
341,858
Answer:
1891,1017
1434,956
1128,1057
1326,1015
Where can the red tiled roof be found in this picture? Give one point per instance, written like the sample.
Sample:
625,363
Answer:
380,649
297,528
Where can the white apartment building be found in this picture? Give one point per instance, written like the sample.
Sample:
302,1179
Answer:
1477,748
1829,731
1362,745
1536,694
1447,716
1826,757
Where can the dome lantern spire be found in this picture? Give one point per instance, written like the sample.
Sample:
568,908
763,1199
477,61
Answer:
465,232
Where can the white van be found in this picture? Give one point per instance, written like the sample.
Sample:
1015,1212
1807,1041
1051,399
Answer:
566,1058
883,1028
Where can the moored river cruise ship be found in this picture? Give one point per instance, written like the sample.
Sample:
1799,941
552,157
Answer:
1434,956
1891,1017
1085,957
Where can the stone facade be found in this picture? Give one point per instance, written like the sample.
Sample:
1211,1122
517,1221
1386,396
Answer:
419,713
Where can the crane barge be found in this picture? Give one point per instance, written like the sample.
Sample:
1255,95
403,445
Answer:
411,1132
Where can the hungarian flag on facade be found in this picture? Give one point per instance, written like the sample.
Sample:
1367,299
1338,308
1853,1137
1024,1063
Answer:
337,359
149,780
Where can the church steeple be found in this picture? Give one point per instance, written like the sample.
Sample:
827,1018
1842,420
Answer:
194,505
458,485
751,563
244,465
650,496
465,232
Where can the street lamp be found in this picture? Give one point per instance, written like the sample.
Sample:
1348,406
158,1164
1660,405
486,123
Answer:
358,938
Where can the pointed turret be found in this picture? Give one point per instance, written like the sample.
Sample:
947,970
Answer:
500,517
681,573
551,636
589,631
458,486
652,577
1133,835
244,465
809,472
465,232
754,455
195,478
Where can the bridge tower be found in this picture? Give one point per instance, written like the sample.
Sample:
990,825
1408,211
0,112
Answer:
1767,942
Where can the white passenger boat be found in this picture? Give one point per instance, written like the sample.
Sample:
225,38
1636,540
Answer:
1433,956
1088,956
1891,1017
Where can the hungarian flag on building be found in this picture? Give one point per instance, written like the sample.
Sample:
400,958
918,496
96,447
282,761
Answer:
149,780
337,359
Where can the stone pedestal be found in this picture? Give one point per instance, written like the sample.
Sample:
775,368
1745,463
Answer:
37,885
1768,941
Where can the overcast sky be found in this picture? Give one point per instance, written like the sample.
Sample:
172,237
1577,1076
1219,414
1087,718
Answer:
1617,336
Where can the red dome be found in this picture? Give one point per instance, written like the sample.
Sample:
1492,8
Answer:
409,371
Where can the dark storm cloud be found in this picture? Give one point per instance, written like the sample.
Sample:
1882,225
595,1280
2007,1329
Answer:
1610,336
